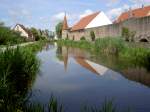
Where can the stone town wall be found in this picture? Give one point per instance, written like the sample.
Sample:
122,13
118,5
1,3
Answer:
140,25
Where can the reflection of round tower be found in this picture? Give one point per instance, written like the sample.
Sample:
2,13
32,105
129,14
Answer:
65,29
65,56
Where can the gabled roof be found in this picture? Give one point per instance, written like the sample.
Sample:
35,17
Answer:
137,13
26,30
65,24
86,65
84,22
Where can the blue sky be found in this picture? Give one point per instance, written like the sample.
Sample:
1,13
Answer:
45,14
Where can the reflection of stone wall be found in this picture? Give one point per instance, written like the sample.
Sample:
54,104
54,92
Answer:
138,74
140,25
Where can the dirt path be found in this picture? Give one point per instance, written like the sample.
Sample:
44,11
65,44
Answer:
15,46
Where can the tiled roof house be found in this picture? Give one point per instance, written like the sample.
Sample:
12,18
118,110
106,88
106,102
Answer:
136,13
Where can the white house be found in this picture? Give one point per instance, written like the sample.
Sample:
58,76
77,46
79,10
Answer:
24,32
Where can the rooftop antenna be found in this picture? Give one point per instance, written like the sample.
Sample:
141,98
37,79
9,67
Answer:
130,12
142,6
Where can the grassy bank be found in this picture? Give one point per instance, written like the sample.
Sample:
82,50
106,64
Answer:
114,46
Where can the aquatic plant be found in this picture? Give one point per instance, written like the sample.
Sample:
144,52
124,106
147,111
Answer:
109,45
54,106
107,106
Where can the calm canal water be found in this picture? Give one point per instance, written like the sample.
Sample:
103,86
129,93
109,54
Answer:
78,78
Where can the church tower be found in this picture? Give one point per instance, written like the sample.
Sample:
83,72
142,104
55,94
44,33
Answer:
65,29
65,24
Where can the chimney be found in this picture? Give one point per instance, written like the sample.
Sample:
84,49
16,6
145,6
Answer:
130,13
142,6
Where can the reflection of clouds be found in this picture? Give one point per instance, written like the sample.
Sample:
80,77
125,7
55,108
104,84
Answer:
57,61
66,87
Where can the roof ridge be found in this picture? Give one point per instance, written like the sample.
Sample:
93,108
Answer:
84,21
91,14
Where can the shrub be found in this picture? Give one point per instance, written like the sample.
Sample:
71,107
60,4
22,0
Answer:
92,34
82,38
132,35
125,33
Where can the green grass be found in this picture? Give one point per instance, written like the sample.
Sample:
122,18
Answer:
80,44
109,45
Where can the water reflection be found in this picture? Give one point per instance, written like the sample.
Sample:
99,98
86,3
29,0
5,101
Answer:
93,64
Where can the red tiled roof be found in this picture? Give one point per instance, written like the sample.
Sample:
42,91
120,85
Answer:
84,22
137,13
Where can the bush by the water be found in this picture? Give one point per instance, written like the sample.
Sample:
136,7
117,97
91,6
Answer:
10,37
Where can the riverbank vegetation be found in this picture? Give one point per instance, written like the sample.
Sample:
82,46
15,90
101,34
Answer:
138,55
18,70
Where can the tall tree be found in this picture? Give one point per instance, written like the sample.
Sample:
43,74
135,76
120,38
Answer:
58,29
2,24
35,33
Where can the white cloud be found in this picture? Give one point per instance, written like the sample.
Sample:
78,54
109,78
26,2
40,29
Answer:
59,16
86,12
19,14
112,2
140,2
72,18
113,13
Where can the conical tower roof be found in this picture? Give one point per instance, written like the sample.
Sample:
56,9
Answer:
65,24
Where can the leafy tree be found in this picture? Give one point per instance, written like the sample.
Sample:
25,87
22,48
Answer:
35,33
92,35
58,29
2,24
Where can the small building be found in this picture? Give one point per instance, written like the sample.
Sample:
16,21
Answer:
135,13
24,32
91,21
